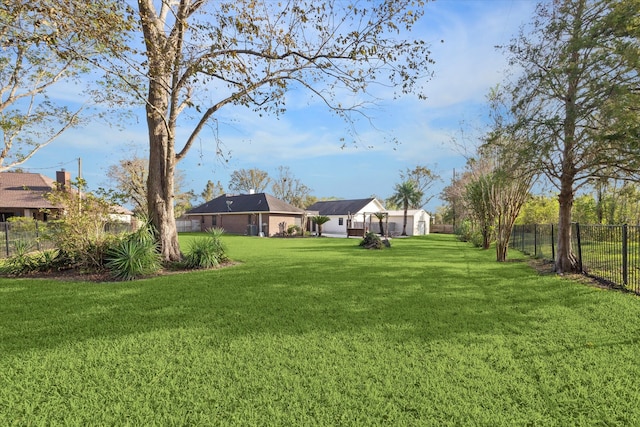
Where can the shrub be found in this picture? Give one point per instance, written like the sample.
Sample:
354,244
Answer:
131,259
134,256
206,252
373,241
23,234
293,230
468,233
22,224
25,263
21,247
78,228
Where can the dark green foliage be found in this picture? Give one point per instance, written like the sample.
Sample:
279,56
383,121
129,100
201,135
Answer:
24,263
135,256
206,252
319,220
467,232
373,241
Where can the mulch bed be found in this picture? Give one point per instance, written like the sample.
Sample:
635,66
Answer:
74,275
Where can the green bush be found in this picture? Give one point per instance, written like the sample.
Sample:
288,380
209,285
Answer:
25,263
78,227
293,230
372,241
206,252
134,256
22,224
468,233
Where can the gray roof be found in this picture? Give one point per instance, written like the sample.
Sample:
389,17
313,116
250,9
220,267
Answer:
340,207
245,203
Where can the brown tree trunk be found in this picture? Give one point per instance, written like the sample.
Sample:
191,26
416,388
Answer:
501,251
486,237
160,183
404,222
503,232
565,260
162,56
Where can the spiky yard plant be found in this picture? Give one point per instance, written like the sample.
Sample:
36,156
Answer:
134,256
206,252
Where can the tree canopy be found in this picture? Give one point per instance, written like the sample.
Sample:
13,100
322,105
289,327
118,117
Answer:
407,195
247,180
129,177
290,189
44,44
575,104
197,57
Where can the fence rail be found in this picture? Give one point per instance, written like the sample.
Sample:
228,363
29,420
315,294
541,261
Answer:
610,253
15,237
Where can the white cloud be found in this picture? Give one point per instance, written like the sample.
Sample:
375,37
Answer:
467,62
310,137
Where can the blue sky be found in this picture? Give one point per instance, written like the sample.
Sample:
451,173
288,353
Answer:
307,138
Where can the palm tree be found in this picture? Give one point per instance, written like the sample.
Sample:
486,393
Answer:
319,220
380,216
406,195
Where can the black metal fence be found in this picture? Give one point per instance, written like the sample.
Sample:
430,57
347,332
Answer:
610,253
22,237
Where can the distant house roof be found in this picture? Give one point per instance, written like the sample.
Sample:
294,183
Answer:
244,203
340,207
24,190
120,210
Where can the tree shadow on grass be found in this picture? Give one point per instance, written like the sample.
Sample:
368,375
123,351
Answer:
412,291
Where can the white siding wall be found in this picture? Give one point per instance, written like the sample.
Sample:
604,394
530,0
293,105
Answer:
334,227
414,219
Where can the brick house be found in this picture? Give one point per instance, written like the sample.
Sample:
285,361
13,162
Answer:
248,214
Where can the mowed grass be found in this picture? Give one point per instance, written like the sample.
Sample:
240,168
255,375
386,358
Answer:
321,332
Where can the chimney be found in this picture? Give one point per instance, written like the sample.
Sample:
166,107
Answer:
63,179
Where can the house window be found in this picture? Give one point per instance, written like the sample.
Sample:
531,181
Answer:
340,221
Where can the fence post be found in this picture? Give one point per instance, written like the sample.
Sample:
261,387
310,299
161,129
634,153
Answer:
6,237
535,240
553,246
579,247
625,258
37,236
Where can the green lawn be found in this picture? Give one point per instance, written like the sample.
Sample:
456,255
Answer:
320,332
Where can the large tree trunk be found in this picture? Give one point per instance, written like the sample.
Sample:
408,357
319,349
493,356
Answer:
565,260
162,54
160,183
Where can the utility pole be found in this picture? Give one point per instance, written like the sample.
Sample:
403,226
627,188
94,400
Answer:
80,185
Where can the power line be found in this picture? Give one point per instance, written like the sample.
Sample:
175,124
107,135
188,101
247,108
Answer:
58,166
